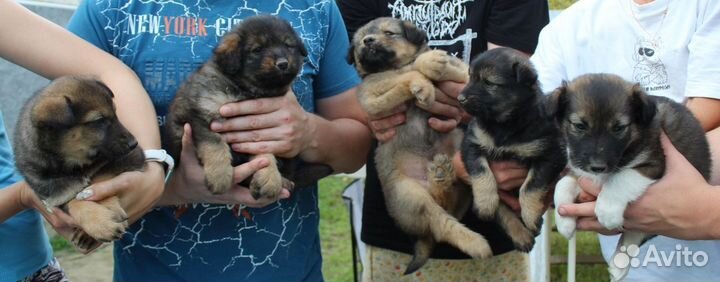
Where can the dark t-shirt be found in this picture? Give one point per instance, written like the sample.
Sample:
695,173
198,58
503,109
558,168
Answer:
463,28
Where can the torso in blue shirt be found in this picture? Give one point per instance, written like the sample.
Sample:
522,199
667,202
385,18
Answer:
24,245
164,43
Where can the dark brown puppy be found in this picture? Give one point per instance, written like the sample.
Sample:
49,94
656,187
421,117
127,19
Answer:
504,99
612,130
259,58
414,167
68,134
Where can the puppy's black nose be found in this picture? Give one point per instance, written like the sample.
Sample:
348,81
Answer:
368,40
132,144
281,64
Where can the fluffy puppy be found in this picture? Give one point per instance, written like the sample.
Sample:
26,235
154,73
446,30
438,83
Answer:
504,98
259,58
396,65
612,130
68,134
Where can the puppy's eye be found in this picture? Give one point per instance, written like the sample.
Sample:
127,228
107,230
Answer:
389,33
101,121
618,128
491,83
580,126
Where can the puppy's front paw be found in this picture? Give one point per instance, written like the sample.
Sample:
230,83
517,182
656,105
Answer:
219,178
101,223
424,93
267,183
610,215
565,225
433,64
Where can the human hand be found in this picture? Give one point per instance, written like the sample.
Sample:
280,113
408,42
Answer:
509,175
187,184
278,126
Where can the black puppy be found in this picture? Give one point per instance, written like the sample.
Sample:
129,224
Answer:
504,99
259,58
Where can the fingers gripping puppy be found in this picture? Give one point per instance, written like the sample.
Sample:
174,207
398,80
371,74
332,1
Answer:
396,65
67,135
504,99
612,129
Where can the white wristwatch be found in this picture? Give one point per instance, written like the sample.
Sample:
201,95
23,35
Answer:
162,156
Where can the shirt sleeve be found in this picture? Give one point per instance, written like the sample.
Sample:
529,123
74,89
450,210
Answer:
336,75
86,24
517,23
547,58
703,71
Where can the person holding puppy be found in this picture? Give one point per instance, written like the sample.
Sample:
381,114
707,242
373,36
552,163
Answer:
194,235
663,45
26,46
476,27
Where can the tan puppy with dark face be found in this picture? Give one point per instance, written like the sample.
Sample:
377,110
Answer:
414,167
68,134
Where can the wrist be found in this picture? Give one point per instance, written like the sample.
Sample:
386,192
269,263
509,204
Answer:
310,149
711,228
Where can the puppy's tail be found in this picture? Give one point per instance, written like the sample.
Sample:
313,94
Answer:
423,248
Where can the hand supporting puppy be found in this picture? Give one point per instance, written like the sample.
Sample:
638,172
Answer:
677,205
279,126
187,184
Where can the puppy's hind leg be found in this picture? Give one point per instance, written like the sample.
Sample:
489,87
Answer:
421,253
534,190
104,220
267,182
629,244
484,188
522,238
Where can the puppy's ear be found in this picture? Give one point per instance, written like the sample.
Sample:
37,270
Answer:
524,73
351,55
643,107
413,34
301,48
53,112
229,54
105,88
555,103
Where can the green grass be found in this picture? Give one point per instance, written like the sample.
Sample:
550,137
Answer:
560,4
59,243
587,244
335,230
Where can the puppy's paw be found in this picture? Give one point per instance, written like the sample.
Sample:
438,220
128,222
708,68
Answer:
477,247
267,183
610,215
219,178
616,273
486,206
565,225
103,224
433,64
83,242
523,241
533,208
424,93
441,171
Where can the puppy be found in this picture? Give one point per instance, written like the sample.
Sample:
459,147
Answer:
504,98
68,134
259,58
397,66
612,131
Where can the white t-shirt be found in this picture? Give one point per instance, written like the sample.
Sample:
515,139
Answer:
674,54
602,36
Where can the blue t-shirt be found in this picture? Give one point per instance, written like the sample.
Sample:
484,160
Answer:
164,43
24,245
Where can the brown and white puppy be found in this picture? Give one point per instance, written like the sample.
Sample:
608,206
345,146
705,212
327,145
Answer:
68,134
505,100
415,166
612,130
259,58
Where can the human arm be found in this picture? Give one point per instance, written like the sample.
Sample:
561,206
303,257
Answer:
681,204
27,46
701,87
